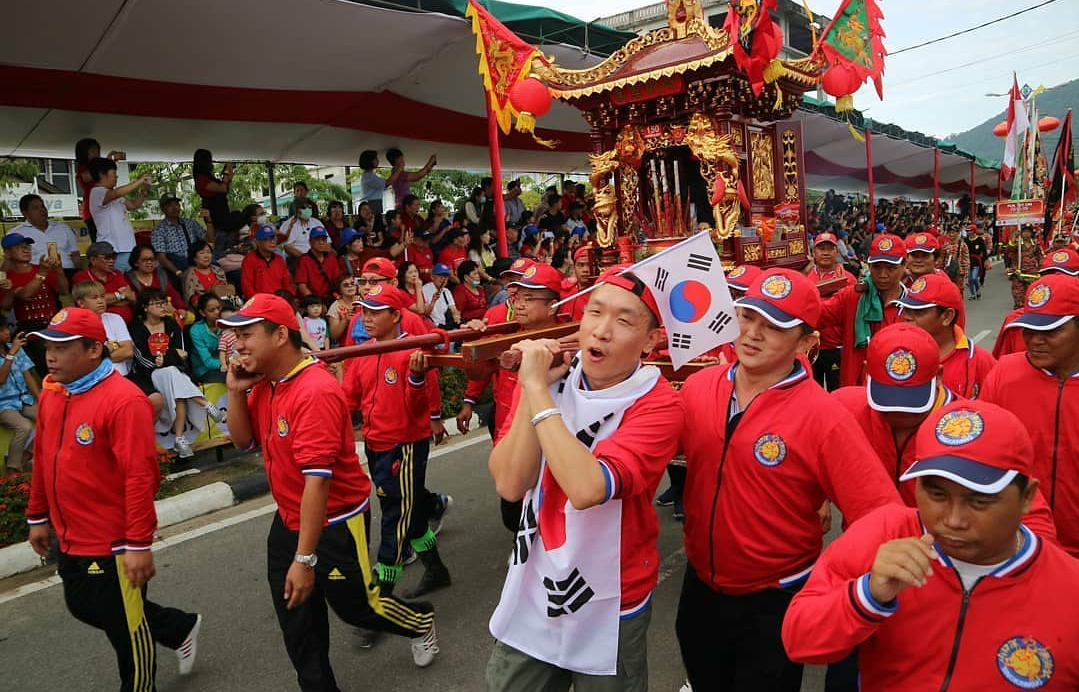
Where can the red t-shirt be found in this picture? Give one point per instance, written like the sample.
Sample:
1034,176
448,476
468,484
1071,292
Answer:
307,272
207,279
303,426
42,305
452,256
470,305
113,283
423,257
634,458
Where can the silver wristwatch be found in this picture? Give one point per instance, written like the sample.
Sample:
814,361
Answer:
307,560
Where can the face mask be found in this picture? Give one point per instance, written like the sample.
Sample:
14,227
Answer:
261,220
476,282
305,214
482,200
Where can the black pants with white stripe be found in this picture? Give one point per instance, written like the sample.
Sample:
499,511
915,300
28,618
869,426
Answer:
344,582
98,593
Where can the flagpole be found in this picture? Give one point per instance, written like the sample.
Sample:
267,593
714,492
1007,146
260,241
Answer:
869,179
496,177
973,192
638,265
936,186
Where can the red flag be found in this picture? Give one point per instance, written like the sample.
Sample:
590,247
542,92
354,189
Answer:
1062,174
755,38
505,59
1018,124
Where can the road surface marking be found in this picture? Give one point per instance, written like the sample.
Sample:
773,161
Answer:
981,335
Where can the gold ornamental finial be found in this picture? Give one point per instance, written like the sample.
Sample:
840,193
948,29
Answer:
680,13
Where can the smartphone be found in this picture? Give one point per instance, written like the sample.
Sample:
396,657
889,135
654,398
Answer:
54,251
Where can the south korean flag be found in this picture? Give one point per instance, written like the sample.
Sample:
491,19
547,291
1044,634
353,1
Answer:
689,286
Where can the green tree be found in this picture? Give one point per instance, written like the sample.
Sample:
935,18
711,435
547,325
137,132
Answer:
14,172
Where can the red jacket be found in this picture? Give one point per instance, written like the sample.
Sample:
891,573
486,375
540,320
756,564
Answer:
503,312
831,335
303,426
95,468
837,316
1017,628
753,487
318,282
898,458
259,276
966,367
1049,407
1009,340
383,380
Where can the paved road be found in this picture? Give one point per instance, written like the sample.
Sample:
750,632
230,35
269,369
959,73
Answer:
220,572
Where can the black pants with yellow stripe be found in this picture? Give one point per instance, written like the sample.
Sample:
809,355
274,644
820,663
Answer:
98,593
399,475
344,580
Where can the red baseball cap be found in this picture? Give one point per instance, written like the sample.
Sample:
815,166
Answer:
826,238
921,242
1051,301
932,290
380,266
73,323
384,297
540,276
902,362
785,297
1065,260
519,266
978,445
933,231
583,250
620,277
263,307
741,276
888,248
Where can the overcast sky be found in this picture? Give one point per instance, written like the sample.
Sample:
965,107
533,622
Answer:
940,89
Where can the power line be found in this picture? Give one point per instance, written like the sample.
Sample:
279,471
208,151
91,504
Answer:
973,28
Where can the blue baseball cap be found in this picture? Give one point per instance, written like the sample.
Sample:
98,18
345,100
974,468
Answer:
12,239
266,233
317,232
440,270
348,235
881,227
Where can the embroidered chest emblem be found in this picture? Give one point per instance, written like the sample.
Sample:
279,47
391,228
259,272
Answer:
84,434
770,450
282,426
1025,662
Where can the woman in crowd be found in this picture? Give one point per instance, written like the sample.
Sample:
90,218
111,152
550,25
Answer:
160,366
19,392
335,221
205,355
86,150
254,217
469,296
342,310
367,221
145,272
479,251
203,276
354,252
372,185
214,192
408,280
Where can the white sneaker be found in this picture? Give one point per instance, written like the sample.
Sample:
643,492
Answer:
424,648
436,522
215,413
187,651
183,448
686,687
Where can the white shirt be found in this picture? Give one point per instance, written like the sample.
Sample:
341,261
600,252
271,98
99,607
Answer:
438,312
59,233
116,330
111,220
299,231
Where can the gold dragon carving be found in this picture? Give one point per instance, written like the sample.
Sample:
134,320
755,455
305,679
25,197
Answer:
764,174
718,162
605,208
790,167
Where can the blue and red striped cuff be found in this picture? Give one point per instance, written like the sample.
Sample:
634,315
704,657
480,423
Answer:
418,383
867,606
37,519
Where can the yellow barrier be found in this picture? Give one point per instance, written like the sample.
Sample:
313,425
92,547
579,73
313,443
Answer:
81,232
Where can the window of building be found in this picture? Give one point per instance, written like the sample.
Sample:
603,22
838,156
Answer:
717,20
800,38
57,173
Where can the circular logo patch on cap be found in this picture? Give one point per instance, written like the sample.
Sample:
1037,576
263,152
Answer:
282,426
84,434
770,450
530,272
885,244
376,291
1059,256
58,318
776,286
390,375
1039,296
901,365
1025,662
918,286
248,303
957,428
518,263
736,272
920,238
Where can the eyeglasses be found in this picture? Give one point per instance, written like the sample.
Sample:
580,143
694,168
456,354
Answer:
149,258
371,282
157,303
518,299
348,284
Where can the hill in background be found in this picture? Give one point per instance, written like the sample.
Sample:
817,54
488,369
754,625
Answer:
1055,102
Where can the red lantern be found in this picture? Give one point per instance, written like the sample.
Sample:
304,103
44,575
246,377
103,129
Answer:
841,82
530,96
1048,124
1001,130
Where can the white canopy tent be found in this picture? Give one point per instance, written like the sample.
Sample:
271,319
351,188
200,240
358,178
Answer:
318,81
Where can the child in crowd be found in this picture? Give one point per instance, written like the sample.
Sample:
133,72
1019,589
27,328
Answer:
226,341
314,322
